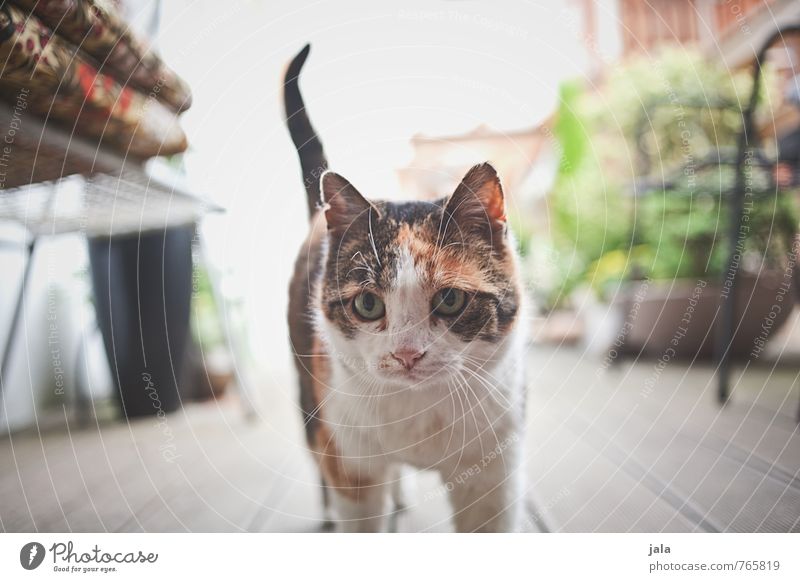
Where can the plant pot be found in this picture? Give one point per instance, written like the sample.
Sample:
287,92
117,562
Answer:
680,318
142,291
207,375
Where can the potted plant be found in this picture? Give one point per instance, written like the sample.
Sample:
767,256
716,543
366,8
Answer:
652,252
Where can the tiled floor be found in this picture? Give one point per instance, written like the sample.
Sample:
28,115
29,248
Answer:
630,448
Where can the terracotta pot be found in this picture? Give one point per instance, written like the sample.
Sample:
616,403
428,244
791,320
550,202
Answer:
680,318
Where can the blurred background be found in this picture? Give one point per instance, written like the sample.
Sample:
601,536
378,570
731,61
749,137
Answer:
151,207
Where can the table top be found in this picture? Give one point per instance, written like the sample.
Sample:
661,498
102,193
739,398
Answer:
52,182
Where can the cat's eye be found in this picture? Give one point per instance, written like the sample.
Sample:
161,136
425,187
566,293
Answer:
369,306
448,301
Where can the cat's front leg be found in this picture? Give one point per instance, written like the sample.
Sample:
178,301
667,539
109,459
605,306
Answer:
364,509
487,496
358,483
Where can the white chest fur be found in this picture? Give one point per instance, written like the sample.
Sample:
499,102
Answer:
441,425
464,418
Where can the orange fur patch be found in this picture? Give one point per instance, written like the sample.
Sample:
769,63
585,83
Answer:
443,267
348,482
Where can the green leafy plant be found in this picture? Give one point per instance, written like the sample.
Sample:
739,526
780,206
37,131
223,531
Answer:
675,122
206,324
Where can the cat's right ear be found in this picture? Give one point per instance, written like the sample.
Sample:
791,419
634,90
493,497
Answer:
344,205
478,204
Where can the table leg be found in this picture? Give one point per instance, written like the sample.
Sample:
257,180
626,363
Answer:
15,319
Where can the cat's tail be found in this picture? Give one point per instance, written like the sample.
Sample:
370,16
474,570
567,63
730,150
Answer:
309,148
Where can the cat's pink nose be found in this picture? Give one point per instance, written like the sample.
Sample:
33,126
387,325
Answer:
408,356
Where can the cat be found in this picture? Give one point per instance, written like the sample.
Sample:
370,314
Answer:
406,322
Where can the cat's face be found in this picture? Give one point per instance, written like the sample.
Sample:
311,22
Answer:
417,292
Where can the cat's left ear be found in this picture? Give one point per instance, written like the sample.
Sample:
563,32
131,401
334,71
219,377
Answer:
478,204
345,207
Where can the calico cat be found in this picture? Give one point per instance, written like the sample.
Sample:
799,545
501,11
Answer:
406,322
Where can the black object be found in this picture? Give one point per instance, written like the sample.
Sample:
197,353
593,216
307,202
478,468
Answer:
748,142
745,158
143,288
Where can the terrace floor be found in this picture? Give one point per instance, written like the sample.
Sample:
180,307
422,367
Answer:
630,448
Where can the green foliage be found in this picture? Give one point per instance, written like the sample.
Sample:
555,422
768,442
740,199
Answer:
662,119
522,230
206,325
685,236
569,129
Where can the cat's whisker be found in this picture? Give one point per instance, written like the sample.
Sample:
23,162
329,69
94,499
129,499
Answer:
481,365
356,269
491,383
489,423
478,363
331,392
453,415
460,383
462,419
467,392
363,399
492,390
478,400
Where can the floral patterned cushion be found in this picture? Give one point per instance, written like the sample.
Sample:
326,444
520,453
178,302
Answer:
62,85
101,35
